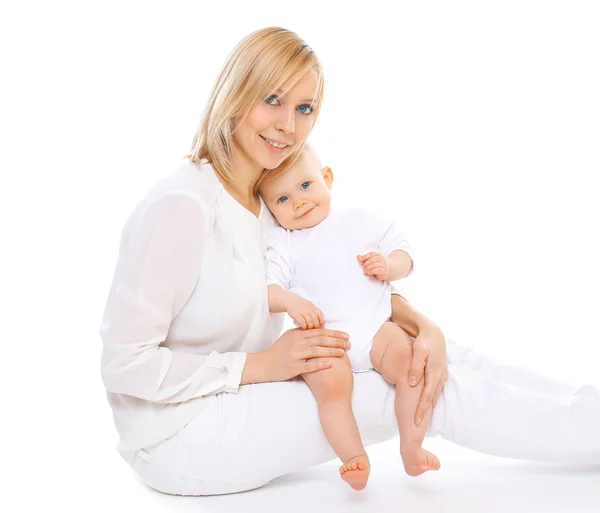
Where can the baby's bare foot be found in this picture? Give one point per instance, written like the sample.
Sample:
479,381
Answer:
356,472
417,461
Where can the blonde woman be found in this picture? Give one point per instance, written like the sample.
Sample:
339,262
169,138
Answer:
205,392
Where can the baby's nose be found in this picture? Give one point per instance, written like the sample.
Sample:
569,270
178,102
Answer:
300,203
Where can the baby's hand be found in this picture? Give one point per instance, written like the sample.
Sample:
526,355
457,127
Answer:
375,264
307,315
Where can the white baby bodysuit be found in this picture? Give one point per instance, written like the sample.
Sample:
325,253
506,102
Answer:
320,264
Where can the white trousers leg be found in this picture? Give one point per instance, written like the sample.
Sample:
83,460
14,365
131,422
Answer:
467,358
509,411
242,441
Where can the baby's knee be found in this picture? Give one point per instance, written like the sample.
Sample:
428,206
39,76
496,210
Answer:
332,383
397,358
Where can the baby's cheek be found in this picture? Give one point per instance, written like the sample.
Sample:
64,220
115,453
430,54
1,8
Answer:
285,220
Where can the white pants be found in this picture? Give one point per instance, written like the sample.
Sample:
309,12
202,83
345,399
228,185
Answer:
242,441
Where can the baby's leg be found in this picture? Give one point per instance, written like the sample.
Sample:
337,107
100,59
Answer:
391,356
333,390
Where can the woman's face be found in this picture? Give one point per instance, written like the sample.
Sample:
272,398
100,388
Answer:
283,121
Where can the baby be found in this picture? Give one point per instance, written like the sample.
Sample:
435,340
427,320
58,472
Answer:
332,268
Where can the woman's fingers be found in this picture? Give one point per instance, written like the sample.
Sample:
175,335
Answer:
440,386
417,366
328,342
338,336
315,365
324,343
320,352
434,382
426,398
437,393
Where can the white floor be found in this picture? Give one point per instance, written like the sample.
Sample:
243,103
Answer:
467,482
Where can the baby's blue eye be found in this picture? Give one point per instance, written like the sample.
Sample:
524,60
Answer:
283,199
304,185
308,107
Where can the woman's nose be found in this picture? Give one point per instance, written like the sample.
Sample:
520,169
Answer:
300,203
286,120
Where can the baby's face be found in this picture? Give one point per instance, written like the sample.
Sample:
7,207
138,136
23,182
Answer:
301,197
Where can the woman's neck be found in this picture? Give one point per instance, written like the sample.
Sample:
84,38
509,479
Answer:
245,175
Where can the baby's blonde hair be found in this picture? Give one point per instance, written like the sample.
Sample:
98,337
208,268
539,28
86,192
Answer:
306,153
264,61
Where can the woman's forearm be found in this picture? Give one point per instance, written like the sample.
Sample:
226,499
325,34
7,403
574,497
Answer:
407,317
254,369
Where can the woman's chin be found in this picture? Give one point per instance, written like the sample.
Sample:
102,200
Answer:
271,164
273,160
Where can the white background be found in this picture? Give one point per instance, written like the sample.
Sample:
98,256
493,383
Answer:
474,124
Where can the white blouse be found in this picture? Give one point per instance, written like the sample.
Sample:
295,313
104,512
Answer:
187,303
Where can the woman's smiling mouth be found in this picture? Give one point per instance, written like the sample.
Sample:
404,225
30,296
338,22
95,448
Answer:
274,145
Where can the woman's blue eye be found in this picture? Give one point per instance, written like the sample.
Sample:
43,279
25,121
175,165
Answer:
306,106
306,109
304,185
283,199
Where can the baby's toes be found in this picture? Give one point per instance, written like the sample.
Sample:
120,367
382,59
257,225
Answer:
432,461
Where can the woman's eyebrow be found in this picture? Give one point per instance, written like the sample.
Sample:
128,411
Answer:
308,100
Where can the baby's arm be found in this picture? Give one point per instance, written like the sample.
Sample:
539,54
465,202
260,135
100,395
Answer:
307,315
280,272
392,260
396,266
277,297
400,264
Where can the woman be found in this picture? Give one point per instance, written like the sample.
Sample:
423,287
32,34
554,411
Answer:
187,321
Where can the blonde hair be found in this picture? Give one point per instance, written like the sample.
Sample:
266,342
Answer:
261,63
306,152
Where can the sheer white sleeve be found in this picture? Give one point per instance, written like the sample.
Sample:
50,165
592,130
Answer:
159,261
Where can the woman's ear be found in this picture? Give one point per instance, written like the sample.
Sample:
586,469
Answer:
328,176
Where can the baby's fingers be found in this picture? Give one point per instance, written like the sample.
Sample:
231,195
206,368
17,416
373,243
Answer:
362,258
311,317
302,321
321,318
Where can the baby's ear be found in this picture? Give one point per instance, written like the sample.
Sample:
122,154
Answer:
328,176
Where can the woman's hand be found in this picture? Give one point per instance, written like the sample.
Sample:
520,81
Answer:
299,351
429,355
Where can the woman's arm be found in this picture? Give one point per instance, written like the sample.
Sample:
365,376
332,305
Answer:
405,316
159,262
429,353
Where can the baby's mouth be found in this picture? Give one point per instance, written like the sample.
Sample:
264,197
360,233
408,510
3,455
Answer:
309,210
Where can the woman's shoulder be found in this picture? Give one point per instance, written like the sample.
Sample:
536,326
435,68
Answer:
196,180
189,184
